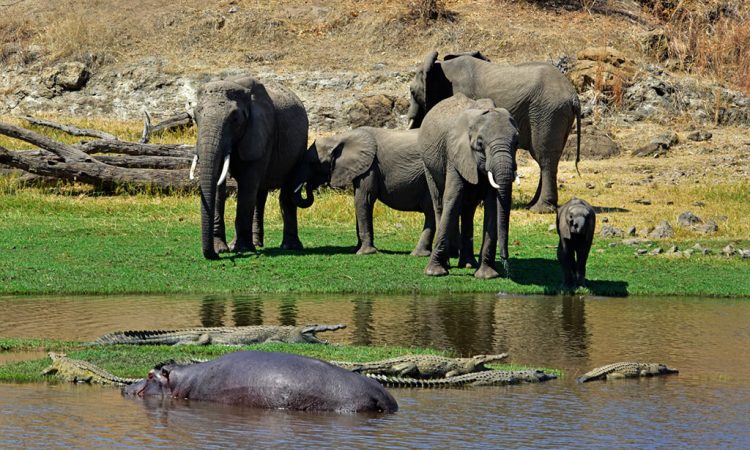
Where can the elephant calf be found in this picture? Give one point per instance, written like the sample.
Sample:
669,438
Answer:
381,164
576,221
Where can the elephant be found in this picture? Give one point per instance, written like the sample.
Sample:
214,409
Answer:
381,164
460,139
540,98
576,221
257,133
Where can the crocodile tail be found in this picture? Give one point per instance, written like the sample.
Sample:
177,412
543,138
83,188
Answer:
315,328
394,381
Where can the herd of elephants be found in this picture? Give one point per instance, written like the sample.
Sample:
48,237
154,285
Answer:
467,117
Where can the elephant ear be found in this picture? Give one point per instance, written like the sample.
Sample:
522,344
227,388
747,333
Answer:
261,121
459,146
351,157
436,86
563,229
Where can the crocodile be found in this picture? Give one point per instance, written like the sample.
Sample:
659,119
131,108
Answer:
483,378
626,370
253,334
423,366
79,371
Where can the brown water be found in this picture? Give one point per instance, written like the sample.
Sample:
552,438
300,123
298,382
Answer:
706,405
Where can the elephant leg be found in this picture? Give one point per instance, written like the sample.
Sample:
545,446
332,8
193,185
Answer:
567,263
258,218
548,145
220,234
438,264
466,257
365,194
487,268
290,239
247,192
582,255
424,246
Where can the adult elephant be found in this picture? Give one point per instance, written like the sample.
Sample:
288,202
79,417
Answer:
542,101
469,150
381,164
256,133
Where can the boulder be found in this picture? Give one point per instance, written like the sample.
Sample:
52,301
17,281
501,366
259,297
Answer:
68,76
603,68
378,110
595,145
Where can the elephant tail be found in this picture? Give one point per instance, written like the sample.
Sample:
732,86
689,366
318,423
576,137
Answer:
577,110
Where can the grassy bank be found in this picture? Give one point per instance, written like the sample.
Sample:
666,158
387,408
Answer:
132,361
66,241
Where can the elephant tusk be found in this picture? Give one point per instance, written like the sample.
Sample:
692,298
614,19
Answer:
492,180
297,189
410,124
517,178
192,167
224,171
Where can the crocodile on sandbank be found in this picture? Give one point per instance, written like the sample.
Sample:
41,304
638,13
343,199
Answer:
78,371
626,370
253,334
423,366
483,378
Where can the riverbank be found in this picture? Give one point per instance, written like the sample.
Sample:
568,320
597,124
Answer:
67,240
134,361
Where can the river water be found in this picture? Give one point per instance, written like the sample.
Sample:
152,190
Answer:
706,405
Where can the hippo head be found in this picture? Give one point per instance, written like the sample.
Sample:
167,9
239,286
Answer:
156,384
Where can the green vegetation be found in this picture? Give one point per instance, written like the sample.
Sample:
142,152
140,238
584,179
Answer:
77,242
135,361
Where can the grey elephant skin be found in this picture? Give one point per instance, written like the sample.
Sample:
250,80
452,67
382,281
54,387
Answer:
576,222
267,380
258,133
468,150
380,164
540,98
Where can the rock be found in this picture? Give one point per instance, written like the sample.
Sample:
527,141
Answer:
728,250
658,145
673,249
603,68
688,220
700,136
698,248
595,145
590,186
631,231
707,228
656,251
662,231
745,254
642,201
641,251
609,231
605,219
699,203
377,110
69,76
608,184
636,241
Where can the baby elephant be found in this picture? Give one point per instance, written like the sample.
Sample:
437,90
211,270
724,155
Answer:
576,221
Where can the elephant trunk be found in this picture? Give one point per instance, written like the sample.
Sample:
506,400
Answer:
212,150
301,201
305,176
501,170
414,115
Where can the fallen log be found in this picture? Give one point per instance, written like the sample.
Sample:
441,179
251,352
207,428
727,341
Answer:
70,129
132,148
180,120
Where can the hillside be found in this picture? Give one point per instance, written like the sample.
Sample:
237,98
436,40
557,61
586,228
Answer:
658,68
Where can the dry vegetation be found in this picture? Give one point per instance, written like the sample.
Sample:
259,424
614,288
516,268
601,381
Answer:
709,38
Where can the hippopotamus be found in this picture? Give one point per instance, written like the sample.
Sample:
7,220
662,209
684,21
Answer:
268,380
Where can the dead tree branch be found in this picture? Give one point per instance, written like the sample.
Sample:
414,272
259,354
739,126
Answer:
177,121
75,131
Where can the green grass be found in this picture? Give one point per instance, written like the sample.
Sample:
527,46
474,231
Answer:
135,361
71,241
